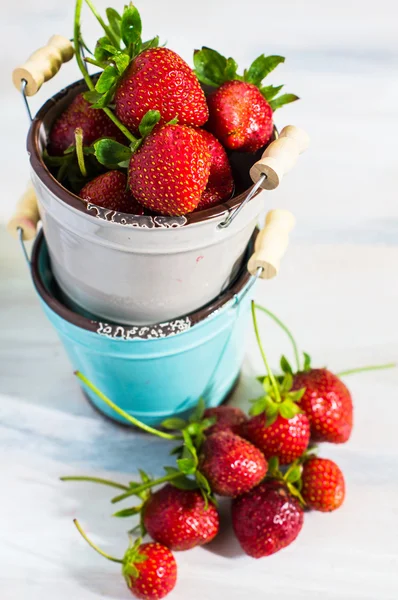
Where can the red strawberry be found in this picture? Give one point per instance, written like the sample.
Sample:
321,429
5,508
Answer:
159,79
327,403
221,183
241,109
266,519
169,172
323,486
239,116
179,519
285,438
150,571
110,191
229,418
94,123
231,464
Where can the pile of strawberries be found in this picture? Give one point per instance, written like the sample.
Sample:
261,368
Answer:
134,141
265,462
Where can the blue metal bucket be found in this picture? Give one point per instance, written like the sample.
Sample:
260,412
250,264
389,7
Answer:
156,371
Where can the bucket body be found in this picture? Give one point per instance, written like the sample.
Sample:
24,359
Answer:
152,372
135,269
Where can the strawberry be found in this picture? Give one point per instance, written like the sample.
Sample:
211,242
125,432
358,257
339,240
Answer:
150,570
169,172
285,438
323,486
327,404
221,183
180,519
240,116
229,418
159,79
266,519
278,426
94,123
110,191
241,108
231,464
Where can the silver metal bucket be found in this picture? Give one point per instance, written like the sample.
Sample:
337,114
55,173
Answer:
137,269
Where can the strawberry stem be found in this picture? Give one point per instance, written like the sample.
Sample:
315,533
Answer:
122,413
370,368
90,543
269,372
96,480
146,486
286,330
86,76
104,26
79,151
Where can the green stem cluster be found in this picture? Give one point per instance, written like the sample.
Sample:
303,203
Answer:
86,76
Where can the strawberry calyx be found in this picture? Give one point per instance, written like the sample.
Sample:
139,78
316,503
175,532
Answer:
131,557
114,155
284,405
214,69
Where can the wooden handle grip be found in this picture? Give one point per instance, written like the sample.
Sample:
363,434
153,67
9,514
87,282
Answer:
43,64
271,243
280,156
26,215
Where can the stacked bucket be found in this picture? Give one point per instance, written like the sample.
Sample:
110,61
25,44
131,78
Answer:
153,310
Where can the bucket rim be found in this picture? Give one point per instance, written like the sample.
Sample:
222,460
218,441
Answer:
110,216
133,332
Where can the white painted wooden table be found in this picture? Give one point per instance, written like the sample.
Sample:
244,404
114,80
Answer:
337,290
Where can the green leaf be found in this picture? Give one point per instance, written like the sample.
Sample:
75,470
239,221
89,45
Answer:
202,482
288,409
186,465
271,411
110,153
230,70
273,465
258,407
206,423
269,91
295,492
144,476
282,100
153,43
261,67
106,80
285,365
92,96
174,423
210,66
193,429
198,411
148,122
131,27
287,383
293,474
114,20
128,512
121,60
105,98
297,395
307,361
104,49
173,121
